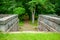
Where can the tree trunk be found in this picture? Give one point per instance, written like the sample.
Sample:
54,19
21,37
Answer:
33,13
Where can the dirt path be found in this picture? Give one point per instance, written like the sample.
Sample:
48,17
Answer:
27,27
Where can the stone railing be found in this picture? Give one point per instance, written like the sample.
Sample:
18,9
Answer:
49,23
9,23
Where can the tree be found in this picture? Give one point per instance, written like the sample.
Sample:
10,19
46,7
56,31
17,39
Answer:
32,8
44,6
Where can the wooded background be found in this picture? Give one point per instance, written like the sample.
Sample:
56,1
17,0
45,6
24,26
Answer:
28,8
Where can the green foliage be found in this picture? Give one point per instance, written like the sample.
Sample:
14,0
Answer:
32,5
57,7
19,10
44,6
20,7
6,6
47,6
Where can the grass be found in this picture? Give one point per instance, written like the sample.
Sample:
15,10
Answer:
30,36
30,22
35,23
21,23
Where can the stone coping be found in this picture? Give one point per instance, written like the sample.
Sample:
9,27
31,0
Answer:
4,20
54,19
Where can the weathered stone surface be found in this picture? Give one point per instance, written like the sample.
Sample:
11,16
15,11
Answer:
7,22
49,22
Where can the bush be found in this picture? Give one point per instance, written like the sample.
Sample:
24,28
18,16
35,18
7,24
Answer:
19,10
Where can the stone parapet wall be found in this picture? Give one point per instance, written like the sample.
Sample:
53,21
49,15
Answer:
49,23
9,23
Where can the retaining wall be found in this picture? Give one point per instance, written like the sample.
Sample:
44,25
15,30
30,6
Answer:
49,23
9,23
